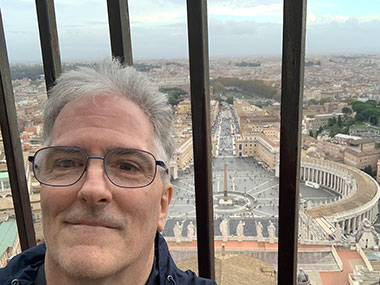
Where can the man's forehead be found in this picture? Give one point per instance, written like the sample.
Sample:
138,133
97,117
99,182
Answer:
112,114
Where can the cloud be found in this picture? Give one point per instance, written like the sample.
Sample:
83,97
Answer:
241,3
351,35
159,29
260,10
328,19
159,12
231,28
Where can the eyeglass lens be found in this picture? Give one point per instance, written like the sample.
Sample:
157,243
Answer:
63,166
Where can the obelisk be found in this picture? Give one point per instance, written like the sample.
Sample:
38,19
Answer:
225,182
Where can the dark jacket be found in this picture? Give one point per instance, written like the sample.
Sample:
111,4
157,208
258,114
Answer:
22,269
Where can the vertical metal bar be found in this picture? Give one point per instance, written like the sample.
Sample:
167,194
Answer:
120,33
49,41
200,108
13,152
293,59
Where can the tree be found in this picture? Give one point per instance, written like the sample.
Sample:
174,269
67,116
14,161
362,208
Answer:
373,103
248,87
174,94
347,111
312,102
218,88
331,122
373,120
230,100
368,170
339,121
220,100
324,100
349,122
359,117
172,100
319,130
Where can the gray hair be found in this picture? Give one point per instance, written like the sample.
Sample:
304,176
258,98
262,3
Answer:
110,77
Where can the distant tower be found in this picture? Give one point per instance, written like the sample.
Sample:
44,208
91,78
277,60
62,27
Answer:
302,278
378,172
225,182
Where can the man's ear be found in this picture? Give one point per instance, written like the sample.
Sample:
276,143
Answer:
166,197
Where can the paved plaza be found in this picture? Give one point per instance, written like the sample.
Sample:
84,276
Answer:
251,188
245,179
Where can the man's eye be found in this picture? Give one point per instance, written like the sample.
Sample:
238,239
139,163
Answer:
128,166
67,163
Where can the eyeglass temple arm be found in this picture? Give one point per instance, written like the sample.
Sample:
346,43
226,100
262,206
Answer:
162,164
31,158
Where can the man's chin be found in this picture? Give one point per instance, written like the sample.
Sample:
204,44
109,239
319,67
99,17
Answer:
87,262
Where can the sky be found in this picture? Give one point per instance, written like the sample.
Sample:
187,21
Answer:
237,28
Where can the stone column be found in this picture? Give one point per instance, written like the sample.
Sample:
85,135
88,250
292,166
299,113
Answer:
340,184
327,179
348,225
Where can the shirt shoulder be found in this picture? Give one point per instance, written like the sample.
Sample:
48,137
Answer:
24,266
169,273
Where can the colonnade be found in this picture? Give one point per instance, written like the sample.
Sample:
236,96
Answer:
328,177
351,223
340,178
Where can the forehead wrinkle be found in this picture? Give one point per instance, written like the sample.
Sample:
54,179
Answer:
104,118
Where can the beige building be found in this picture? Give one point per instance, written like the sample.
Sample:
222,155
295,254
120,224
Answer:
322,120
260,134
378,172
332,150
361,153
185,153
361,159
258,146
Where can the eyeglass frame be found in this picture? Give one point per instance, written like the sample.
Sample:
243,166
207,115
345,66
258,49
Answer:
157,163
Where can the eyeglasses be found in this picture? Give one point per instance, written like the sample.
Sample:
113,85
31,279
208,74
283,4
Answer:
61,166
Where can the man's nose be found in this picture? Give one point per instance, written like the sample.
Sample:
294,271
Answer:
95,187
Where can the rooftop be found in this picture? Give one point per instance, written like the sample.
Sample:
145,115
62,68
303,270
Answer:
8,234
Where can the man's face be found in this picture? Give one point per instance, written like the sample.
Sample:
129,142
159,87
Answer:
93,228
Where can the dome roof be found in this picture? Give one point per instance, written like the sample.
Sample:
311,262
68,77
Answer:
302,277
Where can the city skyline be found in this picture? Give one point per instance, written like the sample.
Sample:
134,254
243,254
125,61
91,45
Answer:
159,29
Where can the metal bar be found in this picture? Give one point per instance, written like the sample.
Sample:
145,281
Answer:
13,152
293,59
49,41
200,108
120,33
